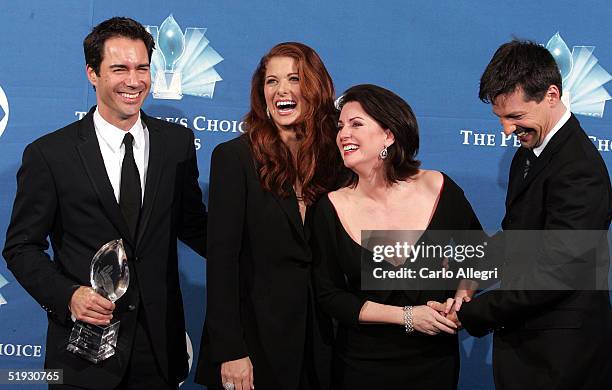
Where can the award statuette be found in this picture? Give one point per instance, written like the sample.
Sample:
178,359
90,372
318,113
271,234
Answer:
109,277
171,44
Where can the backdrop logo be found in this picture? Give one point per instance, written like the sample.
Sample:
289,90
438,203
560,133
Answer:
583,77
182,63
3,282
4,115
20,350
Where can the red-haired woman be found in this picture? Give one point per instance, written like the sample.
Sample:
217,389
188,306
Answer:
261,325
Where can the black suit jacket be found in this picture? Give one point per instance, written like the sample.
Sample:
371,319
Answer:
550,339
63,192
258,277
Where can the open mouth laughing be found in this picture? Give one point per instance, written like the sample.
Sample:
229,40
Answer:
130,97
349,148
285,107
523,133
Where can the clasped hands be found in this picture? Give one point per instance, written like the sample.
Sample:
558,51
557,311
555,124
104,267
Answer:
450,308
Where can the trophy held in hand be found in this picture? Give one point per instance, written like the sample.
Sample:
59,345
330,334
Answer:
109,277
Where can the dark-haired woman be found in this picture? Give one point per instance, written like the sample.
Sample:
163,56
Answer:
261,325
386,339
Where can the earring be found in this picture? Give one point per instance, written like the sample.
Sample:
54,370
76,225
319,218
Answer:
268,113
383,153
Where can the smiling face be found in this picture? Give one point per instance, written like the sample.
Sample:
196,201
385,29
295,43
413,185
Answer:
361,138
528,120
123,82
282,91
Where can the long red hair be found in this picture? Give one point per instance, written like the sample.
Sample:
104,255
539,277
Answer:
317,159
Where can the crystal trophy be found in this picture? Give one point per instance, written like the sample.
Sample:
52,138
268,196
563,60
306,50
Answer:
109,277
171,44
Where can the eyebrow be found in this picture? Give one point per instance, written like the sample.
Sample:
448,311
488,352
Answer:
510,114
350,119
123,66
288,74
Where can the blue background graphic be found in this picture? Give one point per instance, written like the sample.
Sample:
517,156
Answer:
432,53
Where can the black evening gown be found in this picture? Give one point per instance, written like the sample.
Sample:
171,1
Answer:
371,356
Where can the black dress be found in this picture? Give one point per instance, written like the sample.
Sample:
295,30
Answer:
368,356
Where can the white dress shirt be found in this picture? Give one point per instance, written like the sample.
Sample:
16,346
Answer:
110,139
562,121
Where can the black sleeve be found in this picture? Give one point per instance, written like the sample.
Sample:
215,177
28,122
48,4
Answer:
330,281
574,202
33,218
466,232
192,228
227,209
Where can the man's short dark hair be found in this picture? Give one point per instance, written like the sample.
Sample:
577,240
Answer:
393,113
93,45
524,64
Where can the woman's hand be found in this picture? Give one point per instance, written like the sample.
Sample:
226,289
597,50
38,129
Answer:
239,373
450,308
452,305
427,320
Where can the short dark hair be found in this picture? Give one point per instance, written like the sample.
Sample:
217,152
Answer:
524,64
93,45
393,113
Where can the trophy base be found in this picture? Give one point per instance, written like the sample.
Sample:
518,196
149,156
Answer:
168,86
167,95
94,342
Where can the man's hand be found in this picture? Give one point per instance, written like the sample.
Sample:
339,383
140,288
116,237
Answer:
239,373
88,306
447,309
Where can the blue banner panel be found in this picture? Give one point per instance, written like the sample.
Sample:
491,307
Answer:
431,53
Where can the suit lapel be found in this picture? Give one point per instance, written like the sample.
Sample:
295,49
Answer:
541,162
156,158
307,225
290,206
536,167
91,157
516,175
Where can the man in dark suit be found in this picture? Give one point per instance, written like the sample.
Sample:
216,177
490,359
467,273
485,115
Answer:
117,173
550,332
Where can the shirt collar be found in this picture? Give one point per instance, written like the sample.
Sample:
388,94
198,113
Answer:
562,121
113,136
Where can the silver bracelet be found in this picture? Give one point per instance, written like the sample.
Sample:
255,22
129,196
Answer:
408,319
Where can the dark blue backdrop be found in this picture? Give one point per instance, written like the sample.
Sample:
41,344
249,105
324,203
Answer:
430,52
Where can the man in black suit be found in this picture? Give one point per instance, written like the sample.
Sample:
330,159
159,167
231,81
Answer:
117,173
558,188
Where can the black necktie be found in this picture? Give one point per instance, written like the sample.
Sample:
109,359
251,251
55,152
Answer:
529,160
130,193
